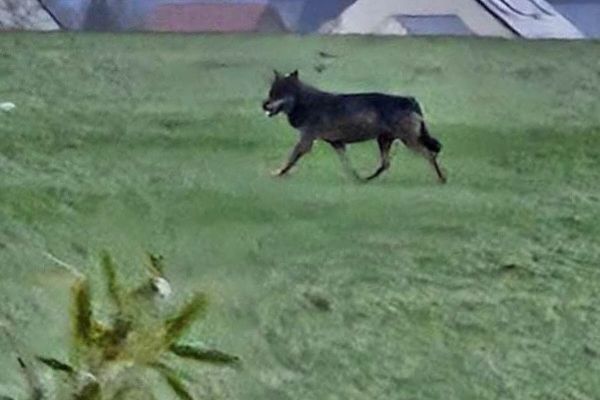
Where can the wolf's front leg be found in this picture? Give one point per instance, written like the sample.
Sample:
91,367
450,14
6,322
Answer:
300,149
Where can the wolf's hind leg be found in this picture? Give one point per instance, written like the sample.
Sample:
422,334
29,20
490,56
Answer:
340,149
433,160
415,136
385,144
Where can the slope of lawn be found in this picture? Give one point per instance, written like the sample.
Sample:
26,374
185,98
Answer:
484,288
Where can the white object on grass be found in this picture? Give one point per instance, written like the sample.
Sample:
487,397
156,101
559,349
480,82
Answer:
7,106
162,287
63,264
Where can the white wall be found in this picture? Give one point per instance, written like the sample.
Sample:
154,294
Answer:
367,16
25,14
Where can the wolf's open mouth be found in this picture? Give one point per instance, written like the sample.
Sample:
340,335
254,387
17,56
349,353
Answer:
273,108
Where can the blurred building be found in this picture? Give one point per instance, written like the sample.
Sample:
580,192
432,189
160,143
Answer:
504,18
501,18
101,15
299,16
533,19
409,17
307,16
215,17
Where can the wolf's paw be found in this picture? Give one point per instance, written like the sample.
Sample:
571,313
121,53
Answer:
277,173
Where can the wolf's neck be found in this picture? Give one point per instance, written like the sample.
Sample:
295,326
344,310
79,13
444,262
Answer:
306,98
308,90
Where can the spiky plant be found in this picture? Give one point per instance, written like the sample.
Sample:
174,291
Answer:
136,336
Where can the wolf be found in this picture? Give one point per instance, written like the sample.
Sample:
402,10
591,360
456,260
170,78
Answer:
341,119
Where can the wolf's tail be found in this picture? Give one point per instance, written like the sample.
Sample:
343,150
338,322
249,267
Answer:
431,143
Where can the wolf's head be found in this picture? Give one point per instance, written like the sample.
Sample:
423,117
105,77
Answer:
282,95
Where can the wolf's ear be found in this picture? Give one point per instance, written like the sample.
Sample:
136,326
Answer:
277,75
294,74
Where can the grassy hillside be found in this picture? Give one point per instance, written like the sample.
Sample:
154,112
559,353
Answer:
483,288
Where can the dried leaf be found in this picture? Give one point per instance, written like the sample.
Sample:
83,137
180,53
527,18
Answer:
56,365
177,325
210,356
110,272
82,312
173,381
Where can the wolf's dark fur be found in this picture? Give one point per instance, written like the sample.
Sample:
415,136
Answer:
339,119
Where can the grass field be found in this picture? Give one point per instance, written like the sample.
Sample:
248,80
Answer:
484,288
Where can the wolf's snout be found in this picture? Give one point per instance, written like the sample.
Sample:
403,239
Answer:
269,108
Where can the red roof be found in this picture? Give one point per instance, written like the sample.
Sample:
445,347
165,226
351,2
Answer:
215,18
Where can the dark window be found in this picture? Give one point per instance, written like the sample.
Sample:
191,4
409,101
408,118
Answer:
434,25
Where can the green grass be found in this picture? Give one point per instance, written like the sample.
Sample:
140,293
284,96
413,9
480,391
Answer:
485,288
